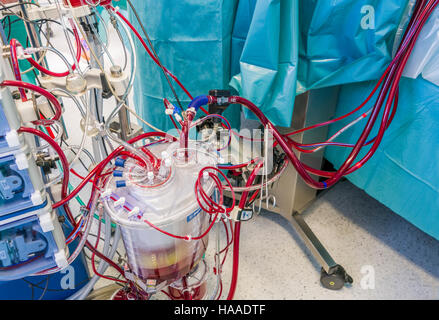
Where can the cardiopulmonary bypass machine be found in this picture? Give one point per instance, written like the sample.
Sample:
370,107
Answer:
176,199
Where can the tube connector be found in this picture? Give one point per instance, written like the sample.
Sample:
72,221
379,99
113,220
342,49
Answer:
121,184
150,176
118,173
178,117
134,212
198,102
23,54
172,110
120,202
218,101
120,162
106,193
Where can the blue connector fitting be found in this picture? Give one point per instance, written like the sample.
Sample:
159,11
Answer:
120,162
121,184
118,173
198,102
177,109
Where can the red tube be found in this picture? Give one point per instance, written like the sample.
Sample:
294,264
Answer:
234,281
61,74
76,3
213,206
102,165
415,16
64,163
384,124
45,93
128,23
298,146
59,151
16,67
346,115
170,116
101,256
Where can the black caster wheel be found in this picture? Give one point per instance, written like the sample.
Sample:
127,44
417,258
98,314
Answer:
336,278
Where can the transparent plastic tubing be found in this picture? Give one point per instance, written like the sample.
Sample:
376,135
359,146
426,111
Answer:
61,74
83,293
82,242
128,23
102,165
43,92
122,101
64,163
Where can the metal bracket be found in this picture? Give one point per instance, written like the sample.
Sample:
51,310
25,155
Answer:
93,80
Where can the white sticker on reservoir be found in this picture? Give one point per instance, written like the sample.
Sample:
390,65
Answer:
193,215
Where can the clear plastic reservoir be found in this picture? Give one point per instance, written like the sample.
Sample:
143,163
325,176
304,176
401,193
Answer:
166,201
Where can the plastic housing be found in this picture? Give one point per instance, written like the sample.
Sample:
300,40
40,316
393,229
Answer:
172,207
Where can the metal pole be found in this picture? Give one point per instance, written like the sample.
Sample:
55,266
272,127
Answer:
96,99
32,33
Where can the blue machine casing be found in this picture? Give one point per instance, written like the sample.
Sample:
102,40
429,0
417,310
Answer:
31,237
16,187
24,244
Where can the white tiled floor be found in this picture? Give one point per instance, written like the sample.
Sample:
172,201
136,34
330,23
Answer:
356,229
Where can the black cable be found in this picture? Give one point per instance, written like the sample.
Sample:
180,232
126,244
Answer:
45,288
120,257
16,5
39,25
10,27
33,285
75,153
154,52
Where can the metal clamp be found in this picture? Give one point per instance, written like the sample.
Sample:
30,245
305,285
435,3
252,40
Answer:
93,79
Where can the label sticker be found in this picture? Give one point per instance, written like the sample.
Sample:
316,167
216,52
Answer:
245,215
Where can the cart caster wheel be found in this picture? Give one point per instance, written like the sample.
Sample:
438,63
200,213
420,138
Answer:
336,278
